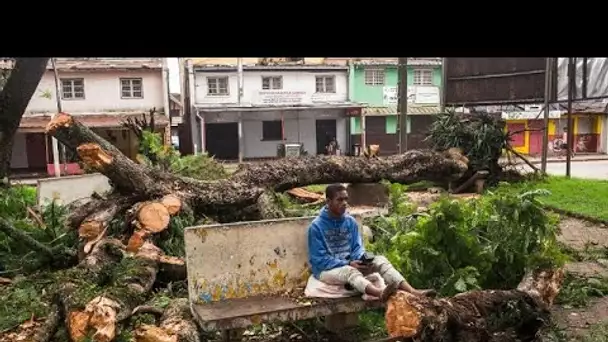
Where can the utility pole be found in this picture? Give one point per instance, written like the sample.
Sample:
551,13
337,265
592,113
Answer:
570,133
402,103
548,86
54,142
444,77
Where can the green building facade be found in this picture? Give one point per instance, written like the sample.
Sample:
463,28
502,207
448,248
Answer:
375,85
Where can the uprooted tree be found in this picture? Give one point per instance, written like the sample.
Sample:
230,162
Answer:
116,268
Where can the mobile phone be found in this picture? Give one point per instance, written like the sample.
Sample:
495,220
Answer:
367,258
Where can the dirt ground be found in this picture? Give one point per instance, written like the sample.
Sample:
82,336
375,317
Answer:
581,235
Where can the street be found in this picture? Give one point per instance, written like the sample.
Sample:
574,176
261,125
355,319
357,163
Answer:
580,169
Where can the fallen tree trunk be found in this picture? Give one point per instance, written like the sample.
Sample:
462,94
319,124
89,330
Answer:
487,315
228,200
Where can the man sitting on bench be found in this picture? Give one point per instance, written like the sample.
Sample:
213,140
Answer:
337,255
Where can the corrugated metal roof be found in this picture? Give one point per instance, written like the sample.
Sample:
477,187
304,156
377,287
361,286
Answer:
392,110
98,63
417,61
589,106
38,122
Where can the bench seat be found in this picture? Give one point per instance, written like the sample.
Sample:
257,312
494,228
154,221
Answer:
244,312
246,273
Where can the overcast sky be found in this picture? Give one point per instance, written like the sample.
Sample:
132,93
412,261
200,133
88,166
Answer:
174,85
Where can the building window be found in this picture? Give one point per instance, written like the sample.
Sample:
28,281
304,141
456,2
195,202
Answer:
374,76
272,83
131,88
272,130
72,88
326,84
217,86
423,77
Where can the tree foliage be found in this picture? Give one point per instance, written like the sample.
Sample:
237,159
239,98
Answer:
481,136
458,245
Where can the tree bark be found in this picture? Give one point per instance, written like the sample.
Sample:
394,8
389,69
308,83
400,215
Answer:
176,325
132,280
14,98
488,315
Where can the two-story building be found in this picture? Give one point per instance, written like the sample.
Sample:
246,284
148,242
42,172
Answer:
251,110
101,93
374,82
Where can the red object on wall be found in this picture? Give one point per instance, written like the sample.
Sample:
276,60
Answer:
517,140
536,137
65,169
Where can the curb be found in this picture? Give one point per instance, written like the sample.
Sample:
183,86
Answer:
573,160
575,215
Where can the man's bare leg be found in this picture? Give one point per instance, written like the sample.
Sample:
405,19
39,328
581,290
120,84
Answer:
393,277
405,286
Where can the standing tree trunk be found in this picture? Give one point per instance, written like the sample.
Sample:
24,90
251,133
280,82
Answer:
14,98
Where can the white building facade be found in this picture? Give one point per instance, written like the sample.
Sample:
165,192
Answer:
249,111
99,92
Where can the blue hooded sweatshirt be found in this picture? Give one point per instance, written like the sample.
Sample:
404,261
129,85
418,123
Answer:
333,242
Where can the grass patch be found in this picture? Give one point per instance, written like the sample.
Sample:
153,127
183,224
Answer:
583,196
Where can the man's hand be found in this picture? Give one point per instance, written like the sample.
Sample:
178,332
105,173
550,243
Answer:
359,265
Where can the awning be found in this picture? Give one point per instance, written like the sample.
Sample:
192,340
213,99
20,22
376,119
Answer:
38,123
281,107
392,110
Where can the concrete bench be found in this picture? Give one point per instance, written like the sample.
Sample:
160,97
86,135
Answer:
246,273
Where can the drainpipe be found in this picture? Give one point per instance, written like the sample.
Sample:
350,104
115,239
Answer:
202,130
167,92
351,81
239,77
192,95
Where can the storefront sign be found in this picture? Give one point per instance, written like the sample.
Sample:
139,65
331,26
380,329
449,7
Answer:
391,95
530,115
426,95
281,97
353,111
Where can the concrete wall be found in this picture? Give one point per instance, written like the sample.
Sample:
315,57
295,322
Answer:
102,93
19,154
300,81
374,94
71,188
299,127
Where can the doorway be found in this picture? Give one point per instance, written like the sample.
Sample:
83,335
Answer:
222,140
325,130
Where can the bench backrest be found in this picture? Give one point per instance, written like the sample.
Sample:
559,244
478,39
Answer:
244,259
